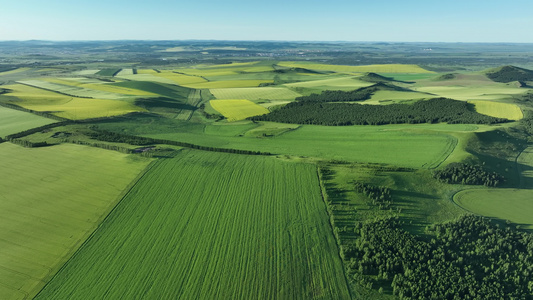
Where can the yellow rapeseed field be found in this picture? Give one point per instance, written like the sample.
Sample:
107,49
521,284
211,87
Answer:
498,109
237,109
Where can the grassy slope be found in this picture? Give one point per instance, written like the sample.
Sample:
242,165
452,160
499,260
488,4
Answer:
514,205
210,225
67,106
379,144
72,187
13,121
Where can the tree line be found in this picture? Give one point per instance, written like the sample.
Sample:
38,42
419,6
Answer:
341,114
109,136
469,258
469,174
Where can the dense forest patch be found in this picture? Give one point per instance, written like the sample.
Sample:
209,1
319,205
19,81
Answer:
510,73
340,114
468,174
469,258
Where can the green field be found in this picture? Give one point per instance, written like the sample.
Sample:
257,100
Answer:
227,84
52,199
334,83
13,121
257,93
75,91
386,68
515,205
96,87
490,91
418,146
207,225
66,106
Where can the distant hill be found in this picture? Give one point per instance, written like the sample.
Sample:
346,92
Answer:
375,78
448,76
350,96
509,74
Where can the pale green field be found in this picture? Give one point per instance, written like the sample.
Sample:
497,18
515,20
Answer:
515,205
148,77
87,85
207,225
86,72
180,78
238,109
68,107
13,121
387,97
146,71
226,84
228,69
258,93
125,72
18,70
472,92
387,68
335,83
498,109
76,91
52,199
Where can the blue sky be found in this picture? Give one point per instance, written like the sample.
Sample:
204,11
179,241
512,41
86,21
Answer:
311,20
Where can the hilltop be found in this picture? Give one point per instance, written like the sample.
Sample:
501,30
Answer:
509,74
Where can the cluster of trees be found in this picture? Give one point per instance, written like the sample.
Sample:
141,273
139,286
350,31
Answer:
349,96
109,136
379,195
469,258
527,122
36,129
341,114
464,173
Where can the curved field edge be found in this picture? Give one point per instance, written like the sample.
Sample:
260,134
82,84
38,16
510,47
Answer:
425,147
514,205
73,187
207,225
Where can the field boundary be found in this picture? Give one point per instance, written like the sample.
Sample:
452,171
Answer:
101,220
324,196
